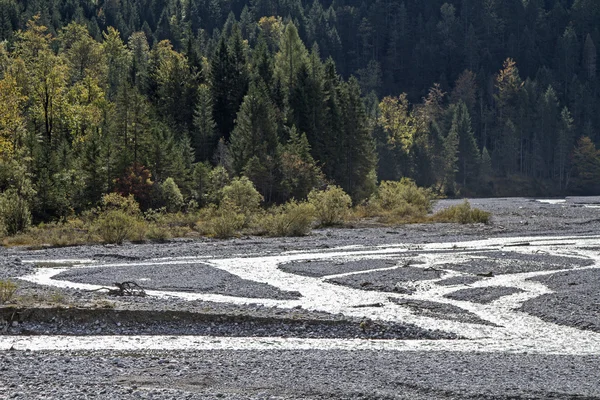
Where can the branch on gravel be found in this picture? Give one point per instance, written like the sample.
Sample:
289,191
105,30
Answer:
124,289
433,269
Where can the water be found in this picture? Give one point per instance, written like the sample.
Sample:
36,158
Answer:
513,331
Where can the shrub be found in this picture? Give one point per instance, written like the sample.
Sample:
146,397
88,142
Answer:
115,201
402,200
7,291
114,226
462,214
331,205
171,195
290,219
242,194
391,195
139,231
224,221
60,234
15,215
120,219
158,232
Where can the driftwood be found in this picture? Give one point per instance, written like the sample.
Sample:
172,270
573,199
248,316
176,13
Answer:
124,289
429,269
369,305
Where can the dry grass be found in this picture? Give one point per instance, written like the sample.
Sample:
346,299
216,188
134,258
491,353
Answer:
58,234
462,214
119,219
7,291
291,219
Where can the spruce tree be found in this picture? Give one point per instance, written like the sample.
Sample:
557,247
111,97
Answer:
254,141
204,135
468,153
222,72
291,56
356,169
564,144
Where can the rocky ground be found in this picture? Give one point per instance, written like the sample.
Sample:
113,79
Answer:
208,304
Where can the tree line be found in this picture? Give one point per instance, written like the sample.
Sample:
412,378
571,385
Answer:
474,97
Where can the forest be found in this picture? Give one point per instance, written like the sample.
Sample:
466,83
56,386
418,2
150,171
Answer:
169,101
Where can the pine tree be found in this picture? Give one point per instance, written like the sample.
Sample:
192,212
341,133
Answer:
325,147
468,153
254,140
174,85
240,74
204,135
564,144
586,168
548,115
291,56
300,173
356,171
118,60
449,159
262,62
566,53
507,152
229,81
138,44
485,171
590,56
221,81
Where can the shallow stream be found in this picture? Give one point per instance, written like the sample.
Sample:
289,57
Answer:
508,330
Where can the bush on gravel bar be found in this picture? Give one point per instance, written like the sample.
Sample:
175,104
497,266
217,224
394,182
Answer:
119,219
462,214
291,219
114,226
171,195
224,221
331,206
243,195
401,201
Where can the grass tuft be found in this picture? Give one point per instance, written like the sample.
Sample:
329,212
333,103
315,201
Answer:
7,291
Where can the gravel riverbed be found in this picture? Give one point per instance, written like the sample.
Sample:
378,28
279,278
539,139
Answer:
421,283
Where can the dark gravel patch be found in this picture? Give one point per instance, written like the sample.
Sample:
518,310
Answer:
319,269
387,281
441,311
575,301
483,295
296,375
197,278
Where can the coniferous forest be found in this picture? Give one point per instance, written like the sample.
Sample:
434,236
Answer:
171,100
